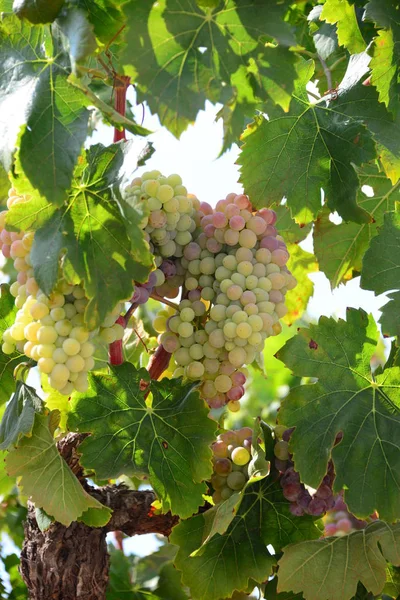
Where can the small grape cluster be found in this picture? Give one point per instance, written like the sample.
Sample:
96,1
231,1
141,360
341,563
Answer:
51,329
231,458
169,228
339,521
301,500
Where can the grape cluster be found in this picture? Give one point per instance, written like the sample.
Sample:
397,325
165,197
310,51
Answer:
51,329
236,281
301,500
340,521
231,458
169,228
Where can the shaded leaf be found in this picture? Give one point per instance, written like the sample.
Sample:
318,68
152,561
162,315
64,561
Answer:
340,248
292,232
338,564
8,362
121,583
343,14
41,109
324,35
103,249
78,31
390,318
19,415
46,477
43,519
231,560
348,398
381,264
169,584
37,11
106,17
6,483
166,437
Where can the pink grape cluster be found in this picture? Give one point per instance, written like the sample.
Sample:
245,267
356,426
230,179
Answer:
301,500
339,521
236,281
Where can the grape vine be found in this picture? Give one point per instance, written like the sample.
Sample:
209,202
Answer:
171,363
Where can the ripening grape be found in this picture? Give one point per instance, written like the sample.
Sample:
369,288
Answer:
231,460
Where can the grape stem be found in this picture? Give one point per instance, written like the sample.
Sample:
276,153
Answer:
155,296
115,353
121,86
129,313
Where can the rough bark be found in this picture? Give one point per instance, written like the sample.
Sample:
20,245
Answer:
72,563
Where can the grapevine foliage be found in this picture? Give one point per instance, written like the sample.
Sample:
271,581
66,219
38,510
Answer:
150,336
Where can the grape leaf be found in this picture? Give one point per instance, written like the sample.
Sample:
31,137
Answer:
6,482
292,232
180,54
337,564
106,17
312,143
120,583
300,264
169,584
19,416
385,51
390,318
40,108
271,593
340,248
166,436
37,11
8,362
46,477
343,14
79,33
324,35
348,398
103,248
381,264
229,561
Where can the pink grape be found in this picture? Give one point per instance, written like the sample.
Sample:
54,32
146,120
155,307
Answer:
237,223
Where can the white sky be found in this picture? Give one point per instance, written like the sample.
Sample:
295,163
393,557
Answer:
194,157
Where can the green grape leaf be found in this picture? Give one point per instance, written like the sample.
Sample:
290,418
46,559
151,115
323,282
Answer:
6,483
340,248
229,561
318,148
385,50
46,477
392,585
106,17
180,54
348,398
324,35
166,436
19,416
343,14
48,122
79,34
8,362
37,11
300,264
169,584
338,563
103,248
271,592
390,318
120,583
43,520
274,75
292,232
381,264
56,401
